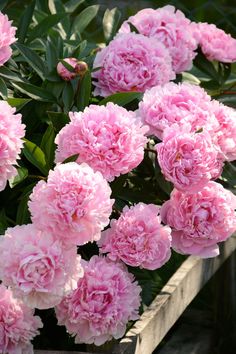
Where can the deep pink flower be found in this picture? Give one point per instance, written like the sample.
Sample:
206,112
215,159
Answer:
11,134
179,104
171,28
36,266
109,138
65,73
131,62
74,204
18,325
200,220
215,43
138,238
7,38
189,160
105,300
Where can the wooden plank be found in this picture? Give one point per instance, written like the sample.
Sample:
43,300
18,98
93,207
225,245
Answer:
170,303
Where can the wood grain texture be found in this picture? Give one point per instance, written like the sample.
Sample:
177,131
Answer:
170,303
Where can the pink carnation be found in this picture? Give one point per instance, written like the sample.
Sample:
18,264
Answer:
131,62
108,138
215,43
36,266
74,204
200,220
179,104
189,160
169,27
11,134
138,238
105,300
7,38
18,325
225,135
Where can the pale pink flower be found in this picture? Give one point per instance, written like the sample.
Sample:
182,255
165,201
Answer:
7,38
225,134
215,43
131,62
109,138
200,220
18,325
189,160
178,104
171,28
74,204
138,238
11,133
105,300
36,266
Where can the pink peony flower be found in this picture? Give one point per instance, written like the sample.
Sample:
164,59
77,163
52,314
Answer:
215,43
74,204
138,238
225,135
131,62
105,300
179,104
109,138
18,325
36,266
200,220
11,134
80,67
171,28
7,38
189,160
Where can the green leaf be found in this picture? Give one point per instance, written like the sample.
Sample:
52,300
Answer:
23,214
229,100
72,158
58,119
67,96
36,156
18,103
84,91
3,3
110,23
72,5
3,222
48,146
32,59
22,174
37,93
51,54
122,98
84,18
229,173
206,66
133,28
24,22
3,89
45,25
10,75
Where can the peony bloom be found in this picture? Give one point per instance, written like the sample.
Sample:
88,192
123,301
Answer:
18,325
7,38
36,266
11,134
225,135
176,104
169,27
74,204
200,220
105,300
189,160
109,138
131,62
138,238
215,43
79,67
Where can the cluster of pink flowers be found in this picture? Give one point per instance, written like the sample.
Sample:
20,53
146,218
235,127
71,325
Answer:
138,238
109,138
11,133
18,325
200,220
106,298
7,38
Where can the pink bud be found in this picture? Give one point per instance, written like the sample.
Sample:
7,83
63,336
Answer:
65,73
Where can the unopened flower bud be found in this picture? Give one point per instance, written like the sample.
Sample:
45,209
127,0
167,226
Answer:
64,72
81,68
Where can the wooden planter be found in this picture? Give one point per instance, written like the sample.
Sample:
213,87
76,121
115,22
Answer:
169,304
